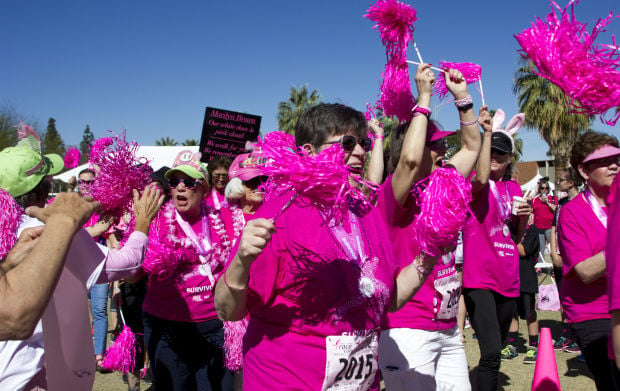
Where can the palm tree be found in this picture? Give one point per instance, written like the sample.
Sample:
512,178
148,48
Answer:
190,142
544,106
166,142
290,110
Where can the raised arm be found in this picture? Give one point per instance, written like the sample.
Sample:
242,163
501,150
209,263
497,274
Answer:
483,166
231,291
375,166
410,279
465,159
25,289
407,171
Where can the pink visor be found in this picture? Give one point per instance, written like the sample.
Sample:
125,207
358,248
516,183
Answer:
247,166
603,152
434,134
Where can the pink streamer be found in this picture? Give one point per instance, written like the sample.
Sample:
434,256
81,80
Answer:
121,355
233,343
10,219
472,73
24,131
119,172
323,179
394,20
565,53
72,157
444,208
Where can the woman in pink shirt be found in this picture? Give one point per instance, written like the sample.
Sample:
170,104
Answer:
544,206
316,289
218,179
490,256
582,234
188,248
420,345
613,267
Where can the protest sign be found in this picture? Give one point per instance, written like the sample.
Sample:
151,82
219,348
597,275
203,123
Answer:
225,133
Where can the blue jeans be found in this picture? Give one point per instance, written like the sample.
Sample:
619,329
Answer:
99,307
187,356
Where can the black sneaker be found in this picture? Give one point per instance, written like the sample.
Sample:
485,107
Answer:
509,352
530,355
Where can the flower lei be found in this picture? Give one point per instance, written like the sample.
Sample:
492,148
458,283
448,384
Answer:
238,221
175,249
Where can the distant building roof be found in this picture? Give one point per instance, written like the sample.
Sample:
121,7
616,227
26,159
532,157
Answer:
525,171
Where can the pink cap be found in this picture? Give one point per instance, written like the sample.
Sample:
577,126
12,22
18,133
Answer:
435,133
602,152
247,166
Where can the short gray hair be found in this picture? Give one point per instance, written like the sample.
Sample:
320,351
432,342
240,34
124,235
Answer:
234,189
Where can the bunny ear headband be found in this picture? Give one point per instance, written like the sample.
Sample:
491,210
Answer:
514,124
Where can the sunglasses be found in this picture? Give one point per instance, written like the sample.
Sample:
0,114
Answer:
349,142
544,188
437,145
189,183
255,182
84,182
496,151
219,176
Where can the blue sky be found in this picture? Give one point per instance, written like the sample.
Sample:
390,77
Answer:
151,67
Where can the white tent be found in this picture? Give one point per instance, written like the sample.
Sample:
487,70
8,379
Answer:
157,157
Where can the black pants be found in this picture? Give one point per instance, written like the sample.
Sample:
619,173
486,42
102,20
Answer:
592,337
187,356
490,314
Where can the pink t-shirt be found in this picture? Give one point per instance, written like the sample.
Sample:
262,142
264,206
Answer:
216,200
434,306
543,215
491,258
186,294
580,236
315,315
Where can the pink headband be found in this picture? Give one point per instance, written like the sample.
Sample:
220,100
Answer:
602,152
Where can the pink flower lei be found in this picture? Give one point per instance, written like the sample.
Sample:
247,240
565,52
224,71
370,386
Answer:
175,249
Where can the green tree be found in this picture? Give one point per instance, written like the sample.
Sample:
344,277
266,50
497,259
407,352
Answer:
87,141
166,142
190,142
290,110
8,125
52,142
543,104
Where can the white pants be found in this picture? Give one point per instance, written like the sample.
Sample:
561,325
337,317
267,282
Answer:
412,359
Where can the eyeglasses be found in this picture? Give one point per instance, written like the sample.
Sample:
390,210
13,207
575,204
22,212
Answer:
348,143
189,183
219,176
544,188
437,145
85,182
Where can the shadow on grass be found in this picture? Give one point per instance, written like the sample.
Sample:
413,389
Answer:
576,368
503,380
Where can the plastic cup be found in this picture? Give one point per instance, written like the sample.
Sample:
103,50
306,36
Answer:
516,201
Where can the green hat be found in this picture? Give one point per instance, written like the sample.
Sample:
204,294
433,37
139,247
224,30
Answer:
22,167
188,163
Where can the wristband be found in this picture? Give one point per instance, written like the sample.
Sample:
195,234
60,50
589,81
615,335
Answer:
464,104
468,123
421,110
378,137
421,266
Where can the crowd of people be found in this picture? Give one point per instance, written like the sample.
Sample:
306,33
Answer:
228,287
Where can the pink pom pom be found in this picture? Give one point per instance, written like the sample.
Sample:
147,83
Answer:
444,207
72,157
24,131
323,179
233,343
565,53
395,24
472,73
10,218
99,147
122,354
120,171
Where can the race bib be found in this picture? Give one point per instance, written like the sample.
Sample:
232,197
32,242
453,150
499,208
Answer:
351,362
449,288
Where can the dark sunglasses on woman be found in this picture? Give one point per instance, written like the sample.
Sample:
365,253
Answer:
189,183
348,143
